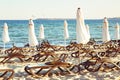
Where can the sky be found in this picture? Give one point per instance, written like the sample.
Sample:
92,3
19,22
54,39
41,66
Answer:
25,9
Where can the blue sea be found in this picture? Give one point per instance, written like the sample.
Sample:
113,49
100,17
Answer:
18,30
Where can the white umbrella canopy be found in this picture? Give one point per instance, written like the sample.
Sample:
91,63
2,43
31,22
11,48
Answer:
41,35
117,27
106,35
81,32
66,34
88,31
32,37
5,36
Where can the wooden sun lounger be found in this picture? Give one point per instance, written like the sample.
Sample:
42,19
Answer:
45,46
13,52
9,57
42,54
74,46
37,70
60,64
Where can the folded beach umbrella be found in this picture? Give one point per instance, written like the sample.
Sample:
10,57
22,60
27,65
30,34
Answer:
41,35
81,31
5,35
117,27
32,37
88,31
105,31
66,34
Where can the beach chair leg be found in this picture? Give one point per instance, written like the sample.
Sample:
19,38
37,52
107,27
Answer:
69,71
44,58
30,72
46,74
60,69
3,60
39,71
53,56
3,74
12,73
20,59
7,60
7,71
116,65
37,59
29,59
33,74
27,70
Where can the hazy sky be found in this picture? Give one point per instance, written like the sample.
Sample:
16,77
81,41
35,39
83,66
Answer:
25,9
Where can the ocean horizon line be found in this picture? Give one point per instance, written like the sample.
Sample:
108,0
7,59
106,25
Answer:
64,18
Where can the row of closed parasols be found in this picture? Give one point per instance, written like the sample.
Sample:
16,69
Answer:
82,31
32,37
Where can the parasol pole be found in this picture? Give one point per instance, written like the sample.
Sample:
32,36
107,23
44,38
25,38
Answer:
4,48
65,43
40,42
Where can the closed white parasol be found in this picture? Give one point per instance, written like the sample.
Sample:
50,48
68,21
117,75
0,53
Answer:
66,34
5,35
117,27
41,35
81,31
32,37
88,31
105,31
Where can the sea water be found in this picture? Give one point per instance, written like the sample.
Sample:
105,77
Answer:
54,30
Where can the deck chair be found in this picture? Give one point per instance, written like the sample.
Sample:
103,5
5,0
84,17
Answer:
14,52
50,68
45,46
74,46
42,56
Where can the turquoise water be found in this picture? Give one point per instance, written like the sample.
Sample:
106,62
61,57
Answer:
18,30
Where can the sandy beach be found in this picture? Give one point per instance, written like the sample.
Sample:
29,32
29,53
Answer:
20,74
